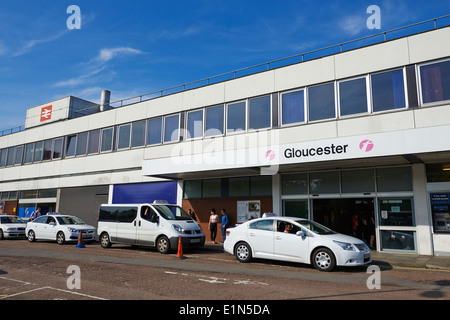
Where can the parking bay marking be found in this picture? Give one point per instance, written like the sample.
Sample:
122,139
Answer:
216,280
51,288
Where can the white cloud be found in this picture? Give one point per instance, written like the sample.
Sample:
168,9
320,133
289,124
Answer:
108,54
34,42
352,25
97,65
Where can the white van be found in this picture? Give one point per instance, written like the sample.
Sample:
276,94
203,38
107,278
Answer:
157,225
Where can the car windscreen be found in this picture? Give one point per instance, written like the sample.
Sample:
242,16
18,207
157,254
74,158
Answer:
315,227
69,220
11,220
169,212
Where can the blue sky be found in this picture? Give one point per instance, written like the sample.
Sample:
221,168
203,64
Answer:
141,46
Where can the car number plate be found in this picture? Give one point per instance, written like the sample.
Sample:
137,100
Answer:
195,240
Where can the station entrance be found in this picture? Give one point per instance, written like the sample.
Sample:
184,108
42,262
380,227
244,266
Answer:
350,216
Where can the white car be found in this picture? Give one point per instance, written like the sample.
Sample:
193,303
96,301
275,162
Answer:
295,240
11,227
62,228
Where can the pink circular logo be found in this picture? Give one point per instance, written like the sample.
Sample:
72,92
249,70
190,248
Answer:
366,145
270,155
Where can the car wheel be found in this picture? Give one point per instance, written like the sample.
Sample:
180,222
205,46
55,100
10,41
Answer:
60,238
105,242
323,259
243,252
31,236
162,245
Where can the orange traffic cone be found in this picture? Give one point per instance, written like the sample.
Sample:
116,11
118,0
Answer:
180,250
80,242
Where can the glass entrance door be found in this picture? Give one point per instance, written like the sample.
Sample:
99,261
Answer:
351,216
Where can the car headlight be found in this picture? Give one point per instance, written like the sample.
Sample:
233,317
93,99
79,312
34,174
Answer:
345,245
177,228
72,230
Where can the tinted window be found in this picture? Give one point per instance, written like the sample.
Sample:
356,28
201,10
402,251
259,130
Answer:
154,130
124,136
293,107
58,148
262,225
19,155
29,150
138,134
38,147
388,91
435,82
171,126
352,96
236,117
47,155
195,124
117,214
10,159
321,102
94,141
107,139
259,112
70,146
214,121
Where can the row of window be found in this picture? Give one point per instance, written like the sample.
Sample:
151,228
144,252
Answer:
395,179
363,95
228,187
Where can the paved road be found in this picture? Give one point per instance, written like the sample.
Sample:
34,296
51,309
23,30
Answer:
41,271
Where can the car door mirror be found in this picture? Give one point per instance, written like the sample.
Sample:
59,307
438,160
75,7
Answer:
301,233
154,218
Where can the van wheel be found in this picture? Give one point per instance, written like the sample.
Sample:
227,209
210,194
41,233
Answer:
162,245
323,259
105,242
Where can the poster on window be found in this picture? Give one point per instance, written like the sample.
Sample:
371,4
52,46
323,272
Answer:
248,210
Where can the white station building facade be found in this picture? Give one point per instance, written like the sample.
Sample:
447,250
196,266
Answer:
357,140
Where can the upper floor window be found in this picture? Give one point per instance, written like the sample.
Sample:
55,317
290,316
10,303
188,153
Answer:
214,119
154,131
259,112
321,102
293,107
195,124
138,133
236,117
171,128
435,82
352,96
123,138
107,139
388,90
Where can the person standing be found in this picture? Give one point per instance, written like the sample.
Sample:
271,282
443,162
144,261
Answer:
213,219
35,214
223,227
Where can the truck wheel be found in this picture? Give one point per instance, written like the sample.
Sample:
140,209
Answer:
105,242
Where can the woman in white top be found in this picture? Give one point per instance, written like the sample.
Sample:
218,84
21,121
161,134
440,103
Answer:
213,219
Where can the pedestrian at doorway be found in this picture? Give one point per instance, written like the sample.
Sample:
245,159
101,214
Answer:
224,225
356,226
35,214
371,227
213,219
